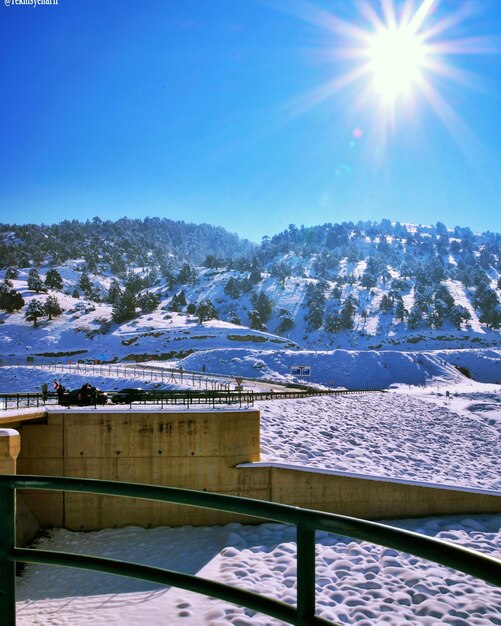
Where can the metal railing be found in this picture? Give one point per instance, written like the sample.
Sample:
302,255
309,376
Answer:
306,522
186,397
25,400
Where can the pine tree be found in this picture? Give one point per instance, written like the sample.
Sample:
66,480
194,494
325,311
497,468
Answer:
400,311
124,308
442,293
133,282
347,312
368,280
263,304
85,284
459,314
181,298
438,313
114,292
51,307
233,318
255,276
386,304
53,280
10,299
286,321
205,311
187,275
33,311
336,293
333,323
315,316
35,282
255,321
174,305
415,317
232,288
148,302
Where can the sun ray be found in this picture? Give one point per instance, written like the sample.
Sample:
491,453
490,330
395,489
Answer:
455,74
468,142
421,14
449,21
301,104
390,18
467,46
309,12
368,12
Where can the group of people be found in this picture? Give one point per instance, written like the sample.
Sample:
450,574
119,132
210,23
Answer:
87,392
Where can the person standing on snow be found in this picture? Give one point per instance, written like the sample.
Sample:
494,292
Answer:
59,389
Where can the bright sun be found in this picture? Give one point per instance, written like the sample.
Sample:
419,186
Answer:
396,61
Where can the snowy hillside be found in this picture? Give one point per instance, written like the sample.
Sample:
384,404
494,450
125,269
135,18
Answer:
84,329
353,369
362,286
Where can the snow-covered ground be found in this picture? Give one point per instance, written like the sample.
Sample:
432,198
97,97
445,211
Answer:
357,582
397,435
354,369
445,432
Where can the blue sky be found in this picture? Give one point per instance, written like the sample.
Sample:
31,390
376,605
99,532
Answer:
201,110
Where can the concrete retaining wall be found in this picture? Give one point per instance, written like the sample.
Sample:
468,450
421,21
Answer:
374,498
201,451
194,450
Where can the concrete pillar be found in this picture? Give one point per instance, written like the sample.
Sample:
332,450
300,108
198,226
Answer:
27,525
10,446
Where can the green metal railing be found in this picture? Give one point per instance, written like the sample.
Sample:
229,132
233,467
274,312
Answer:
306,522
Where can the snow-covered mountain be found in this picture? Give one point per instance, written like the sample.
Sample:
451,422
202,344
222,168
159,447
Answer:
130,289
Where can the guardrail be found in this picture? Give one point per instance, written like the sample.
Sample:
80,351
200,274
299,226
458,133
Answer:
188,397
306,522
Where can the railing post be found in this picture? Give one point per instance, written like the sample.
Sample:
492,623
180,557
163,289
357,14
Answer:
7,565
9,450
305,539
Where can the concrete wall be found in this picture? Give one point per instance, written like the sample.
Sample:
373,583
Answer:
374,498
201,451
195,450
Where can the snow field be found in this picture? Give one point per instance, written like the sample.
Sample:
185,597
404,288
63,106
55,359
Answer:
394,435
413,434
357,582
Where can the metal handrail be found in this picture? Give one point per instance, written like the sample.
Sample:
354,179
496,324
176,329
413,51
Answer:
306,522
9,401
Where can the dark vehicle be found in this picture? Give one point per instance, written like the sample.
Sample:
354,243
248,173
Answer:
84,397
128,395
